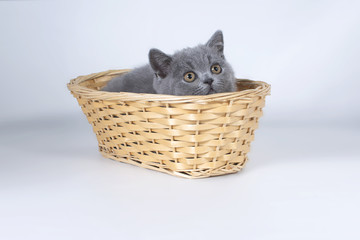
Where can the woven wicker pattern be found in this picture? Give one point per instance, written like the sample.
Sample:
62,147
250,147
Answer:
187,136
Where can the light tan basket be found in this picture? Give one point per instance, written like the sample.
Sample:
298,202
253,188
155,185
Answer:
187,136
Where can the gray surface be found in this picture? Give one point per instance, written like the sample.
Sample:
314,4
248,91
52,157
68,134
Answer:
301,183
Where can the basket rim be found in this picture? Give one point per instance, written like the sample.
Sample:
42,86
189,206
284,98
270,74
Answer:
74,86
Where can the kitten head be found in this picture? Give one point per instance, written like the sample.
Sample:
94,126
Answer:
200,70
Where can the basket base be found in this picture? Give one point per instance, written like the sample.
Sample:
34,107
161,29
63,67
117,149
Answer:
229,168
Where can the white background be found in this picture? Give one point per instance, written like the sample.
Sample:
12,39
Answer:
302,181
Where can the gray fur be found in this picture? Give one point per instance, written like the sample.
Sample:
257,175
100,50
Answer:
139,80
165,73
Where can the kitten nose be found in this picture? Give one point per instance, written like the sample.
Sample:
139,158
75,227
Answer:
209,81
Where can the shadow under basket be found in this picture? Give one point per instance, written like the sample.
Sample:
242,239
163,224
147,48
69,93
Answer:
186,136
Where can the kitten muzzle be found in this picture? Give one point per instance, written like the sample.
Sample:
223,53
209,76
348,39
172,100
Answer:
209,81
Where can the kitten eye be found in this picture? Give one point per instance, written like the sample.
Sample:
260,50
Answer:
216,69
189,76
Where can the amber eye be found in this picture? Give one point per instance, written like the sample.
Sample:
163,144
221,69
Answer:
189,76
216,68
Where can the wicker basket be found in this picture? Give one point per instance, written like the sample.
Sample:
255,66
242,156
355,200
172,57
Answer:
187,136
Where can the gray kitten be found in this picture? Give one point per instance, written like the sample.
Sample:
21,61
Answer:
200,70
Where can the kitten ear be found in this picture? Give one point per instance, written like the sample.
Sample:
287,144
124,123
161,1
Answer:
159,62
217,42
